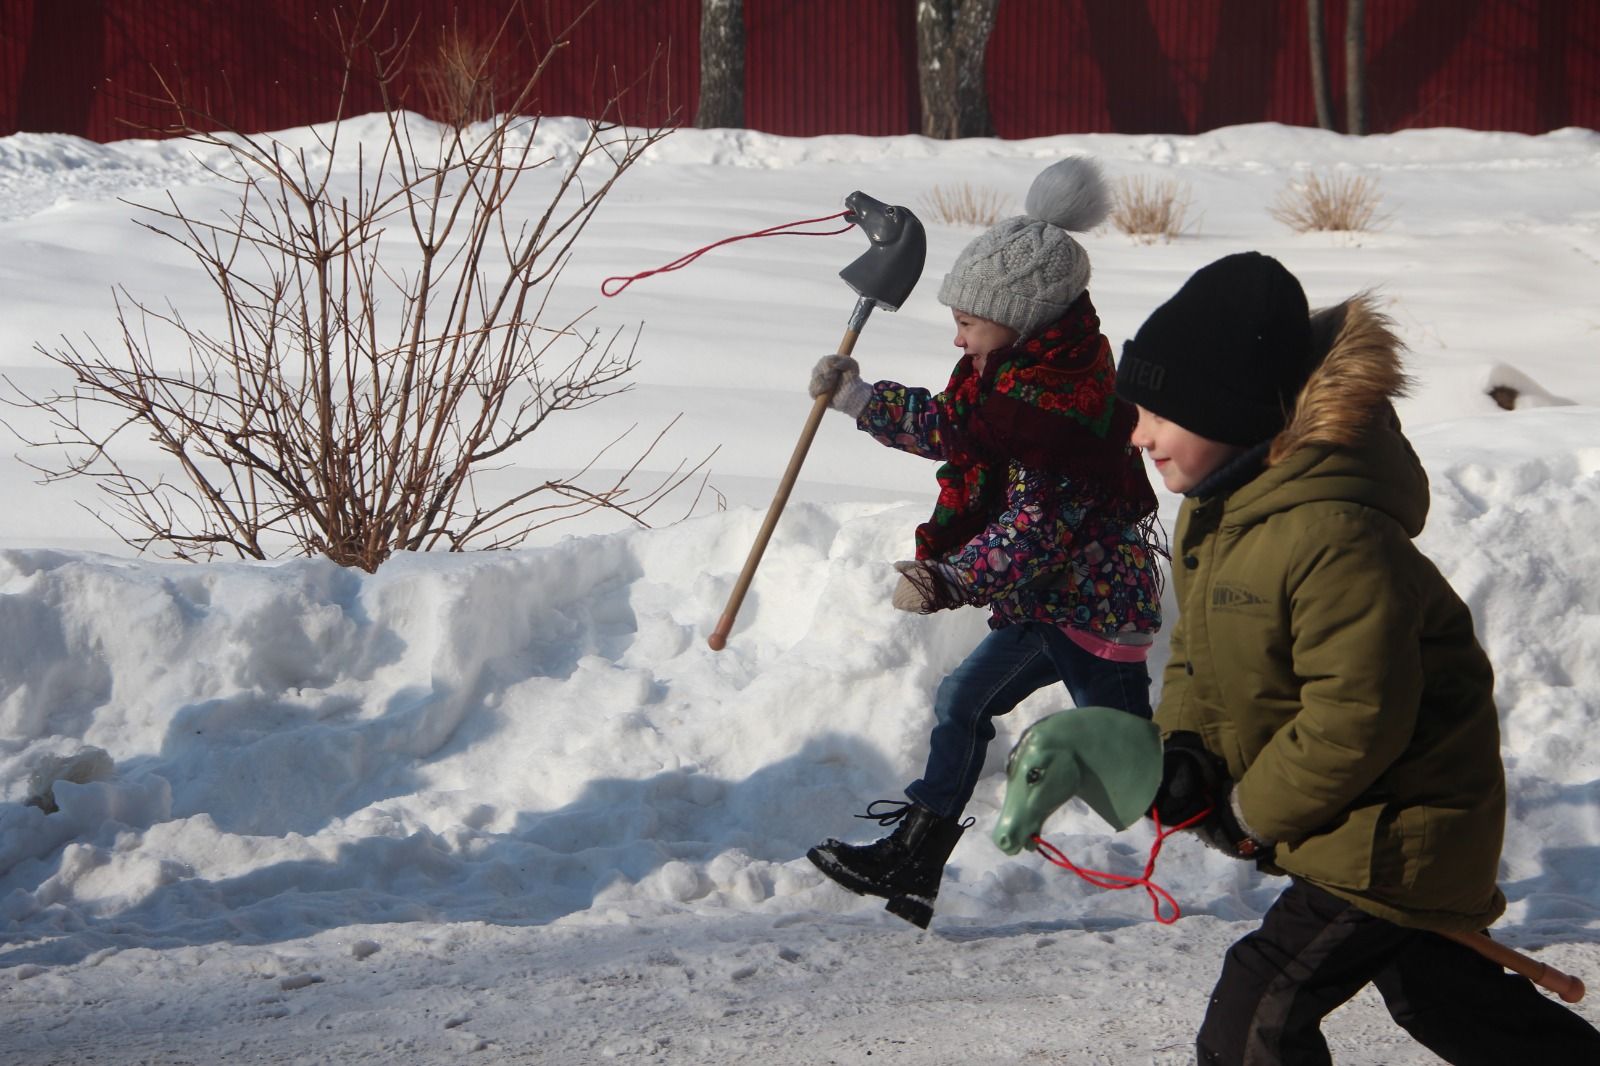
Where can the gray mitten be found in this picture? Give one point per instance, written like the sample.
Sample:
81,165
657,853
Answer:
926,587
839,378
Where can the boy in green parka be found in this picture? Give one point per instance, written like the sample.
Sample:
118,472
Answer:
1325,696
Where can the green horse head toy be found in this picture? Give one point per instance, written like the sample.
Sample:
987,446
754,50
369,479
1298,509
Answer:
1109,758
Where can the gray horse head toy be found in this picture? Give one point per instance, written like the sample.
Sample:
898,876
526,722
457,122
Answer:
886,272
1110,759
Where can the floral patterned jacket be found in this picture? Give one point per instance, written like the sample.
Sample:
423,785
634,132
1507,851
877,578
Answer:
1054,553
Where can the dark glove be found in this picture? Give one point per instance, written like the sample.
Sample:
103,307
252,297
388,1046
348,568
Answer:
1190,779
926,587
1194,781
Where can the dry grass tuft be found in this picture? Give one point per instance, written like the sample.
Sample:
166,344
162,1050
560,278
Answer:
1149,210
964,205
1338,204
458,80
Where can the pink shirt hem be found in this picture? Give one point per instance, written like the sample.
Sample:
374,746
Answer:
1102,648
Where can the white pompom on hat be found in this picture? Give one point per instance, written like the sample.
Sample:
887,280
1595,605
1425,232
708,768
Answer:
1027,271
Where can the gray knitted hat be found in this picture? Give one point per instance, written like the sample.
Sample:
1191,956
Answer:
1026,271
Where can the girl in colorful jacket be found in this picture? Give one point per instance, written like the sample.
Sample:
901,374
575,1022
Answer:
1325,697
1044,516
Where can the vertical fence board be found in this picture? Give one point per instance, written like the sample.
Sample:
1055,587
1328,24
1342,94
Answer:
831,66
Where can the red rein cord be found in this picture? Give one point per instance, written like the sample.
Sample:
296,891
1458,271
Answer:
784,230
1102,879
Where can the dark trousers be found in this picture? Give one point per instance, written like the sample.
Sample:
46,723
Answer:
1009,665
1314,951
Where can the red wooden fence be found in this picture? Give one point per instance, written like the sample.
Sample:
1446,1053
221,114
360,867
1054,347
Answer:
89,67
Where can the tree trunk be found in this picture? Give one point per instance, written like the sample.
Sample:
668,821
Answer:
974,23
936,69
1319,64
721,65
1355,67
951,38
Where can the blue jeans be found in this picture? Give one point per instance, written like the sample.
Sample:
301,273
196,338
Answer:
1008,666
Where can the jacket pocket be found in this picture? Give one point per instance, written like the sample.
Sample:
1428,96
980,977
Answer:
1353,853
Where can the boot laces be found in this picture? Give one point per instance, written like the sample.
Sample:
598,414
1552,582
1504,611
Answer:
892,812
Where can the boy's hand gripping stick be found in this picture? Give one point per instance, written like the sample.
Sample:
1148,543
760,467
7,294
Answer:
883,276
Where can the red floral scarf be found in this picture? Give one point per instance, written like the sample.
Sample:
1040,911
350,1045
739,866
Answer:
1049,404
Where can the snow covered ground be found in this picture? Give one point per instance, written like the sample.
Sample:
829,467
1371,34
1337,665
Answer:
510,808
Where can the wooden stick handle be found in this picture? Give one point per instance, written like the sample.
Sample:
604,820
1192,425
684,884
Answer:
1565,985
719,636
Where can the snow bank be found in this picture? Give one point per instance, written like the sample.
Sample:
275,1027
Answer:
526,735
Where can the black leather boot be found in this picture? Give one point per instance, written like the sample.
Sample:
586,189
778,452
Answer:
904,867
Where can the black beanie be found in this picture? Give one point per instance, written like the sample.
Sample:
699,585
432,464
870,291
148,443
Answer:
1227,355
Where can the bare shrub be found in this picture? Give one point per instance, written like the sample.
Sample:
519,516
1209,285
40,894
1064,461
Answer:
1343,203
381,341
964,205
1148,209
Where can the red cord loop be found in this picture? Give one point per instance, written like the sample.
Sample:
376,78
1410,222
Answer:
1102,879
785,230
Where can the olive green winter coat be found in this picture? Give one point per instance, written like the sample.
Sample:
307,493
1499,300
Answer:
1331,665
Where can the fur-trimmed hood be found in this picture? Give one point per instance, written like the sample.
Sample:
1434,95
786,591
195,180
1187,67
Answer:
1343,439
1353,385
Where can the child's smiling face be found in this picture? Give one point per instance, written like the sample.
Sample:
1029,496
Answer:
979,336
1183,458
